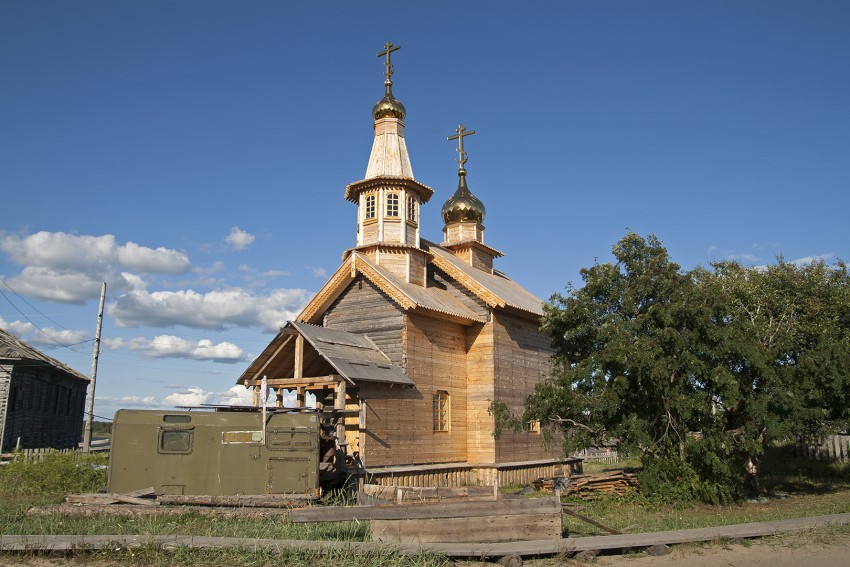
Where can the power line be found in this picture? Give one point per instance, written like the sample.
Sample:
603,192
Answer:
34,308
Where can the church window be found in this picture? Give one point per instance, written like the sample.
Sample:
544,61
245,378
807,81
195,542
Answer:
441,411
534,426
369,206
392,204
411,208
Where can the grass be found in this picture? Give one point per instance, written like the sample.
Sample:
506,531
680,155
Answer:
796,488
799,488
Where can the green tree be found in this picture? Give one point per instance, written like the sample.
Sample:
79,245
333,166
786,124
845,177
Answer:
696,370
784,350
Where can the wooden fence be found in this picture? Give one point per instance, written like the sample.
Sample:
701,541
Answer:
33,455
607,455
827,448
38,455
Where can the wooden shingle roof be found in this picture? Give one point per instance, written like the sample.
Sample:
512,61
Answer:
496,289
13,348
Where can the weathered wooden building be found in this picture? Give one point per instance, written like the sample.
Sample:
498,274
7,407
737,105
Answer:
418,339
42,401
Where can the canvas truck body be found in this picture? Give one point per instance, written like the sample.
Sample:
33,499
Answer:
214,453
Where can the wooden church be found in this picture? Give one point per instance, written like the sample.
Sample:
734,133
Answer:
418,339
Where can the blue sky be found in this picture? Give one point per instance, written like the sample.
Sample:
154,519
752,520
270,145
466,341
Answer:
194,155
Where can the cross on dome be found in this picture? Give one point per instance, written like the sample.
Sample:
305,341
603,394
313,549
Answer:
462,132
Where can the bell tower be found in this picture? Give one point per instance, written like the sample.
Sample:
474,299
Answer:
463,214
388,198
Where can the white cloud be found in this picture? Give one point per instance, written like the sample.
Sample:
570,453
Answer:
45,336
68,268
742,257
63,286
238,239
63,251
235,396
805,261
169,346
211,310
152,261
318,272
192,396
17,328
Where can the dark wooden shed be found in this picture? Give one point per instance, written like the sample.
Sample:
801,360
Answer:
42,401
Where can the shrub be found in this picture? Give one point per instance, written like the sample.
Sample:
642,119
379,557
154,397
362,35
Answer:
57,474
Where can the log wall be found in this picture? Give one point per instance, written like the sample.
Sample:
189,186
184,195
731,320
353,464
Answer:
44,408
522,359
399,425
365,309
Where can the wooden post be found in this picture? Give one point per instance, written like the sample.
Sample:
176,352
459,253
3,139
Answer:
299,357
90,406
299,397
278,402
339,404
256,396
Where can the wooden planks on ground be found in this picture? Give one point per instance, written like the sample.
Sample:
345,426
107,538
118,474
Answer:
242,501
404,494
122,510
483,529
427,511
59,543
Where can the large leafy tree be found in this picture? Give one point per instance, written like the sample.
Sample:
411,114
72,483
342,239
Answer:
696,370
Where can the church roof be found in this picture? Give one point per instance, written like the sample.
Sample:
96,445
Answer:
496,289
13,348
354,356
406,295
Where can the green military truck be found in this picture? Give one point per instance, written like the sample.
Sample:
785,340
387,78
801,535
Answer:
217,453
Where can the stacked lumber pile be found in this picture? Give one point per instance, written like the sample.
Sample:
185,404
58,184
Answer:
588,486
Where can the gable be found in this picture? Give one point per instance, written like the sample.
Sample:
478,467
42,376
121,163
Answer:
405,295
363,308
13,348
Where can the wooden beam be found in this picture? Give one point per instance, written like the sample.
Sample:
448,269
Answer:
329,380
272,357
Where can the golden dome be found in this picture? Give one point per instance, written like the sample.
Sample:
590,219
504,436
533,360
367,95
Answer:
463,206
388,106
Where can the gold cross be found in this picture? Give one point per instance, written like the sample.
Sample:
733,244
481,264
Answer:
461,133
388,48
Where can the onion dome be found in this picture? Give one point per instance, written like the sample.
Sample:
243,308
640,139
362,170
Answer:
388,106
463,206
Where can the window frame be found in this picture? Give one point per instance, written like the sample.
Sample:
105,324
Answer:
163,431
392,208
441,411
370,207
411,208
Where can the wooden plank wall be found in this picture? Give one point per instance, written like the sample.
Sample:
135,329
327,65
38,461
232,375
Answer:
474,475
436,361
480,391
522,359
365,309
399,420
45,409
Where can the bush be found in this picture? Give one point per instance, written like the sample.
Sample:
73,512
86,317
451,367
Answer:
57,474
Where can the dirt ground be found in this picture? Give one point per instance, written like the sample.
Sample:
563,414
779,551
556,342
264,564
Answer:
812,550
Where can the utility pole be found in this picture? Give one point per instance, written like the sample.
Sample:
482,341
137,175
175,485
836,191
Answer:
90,405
